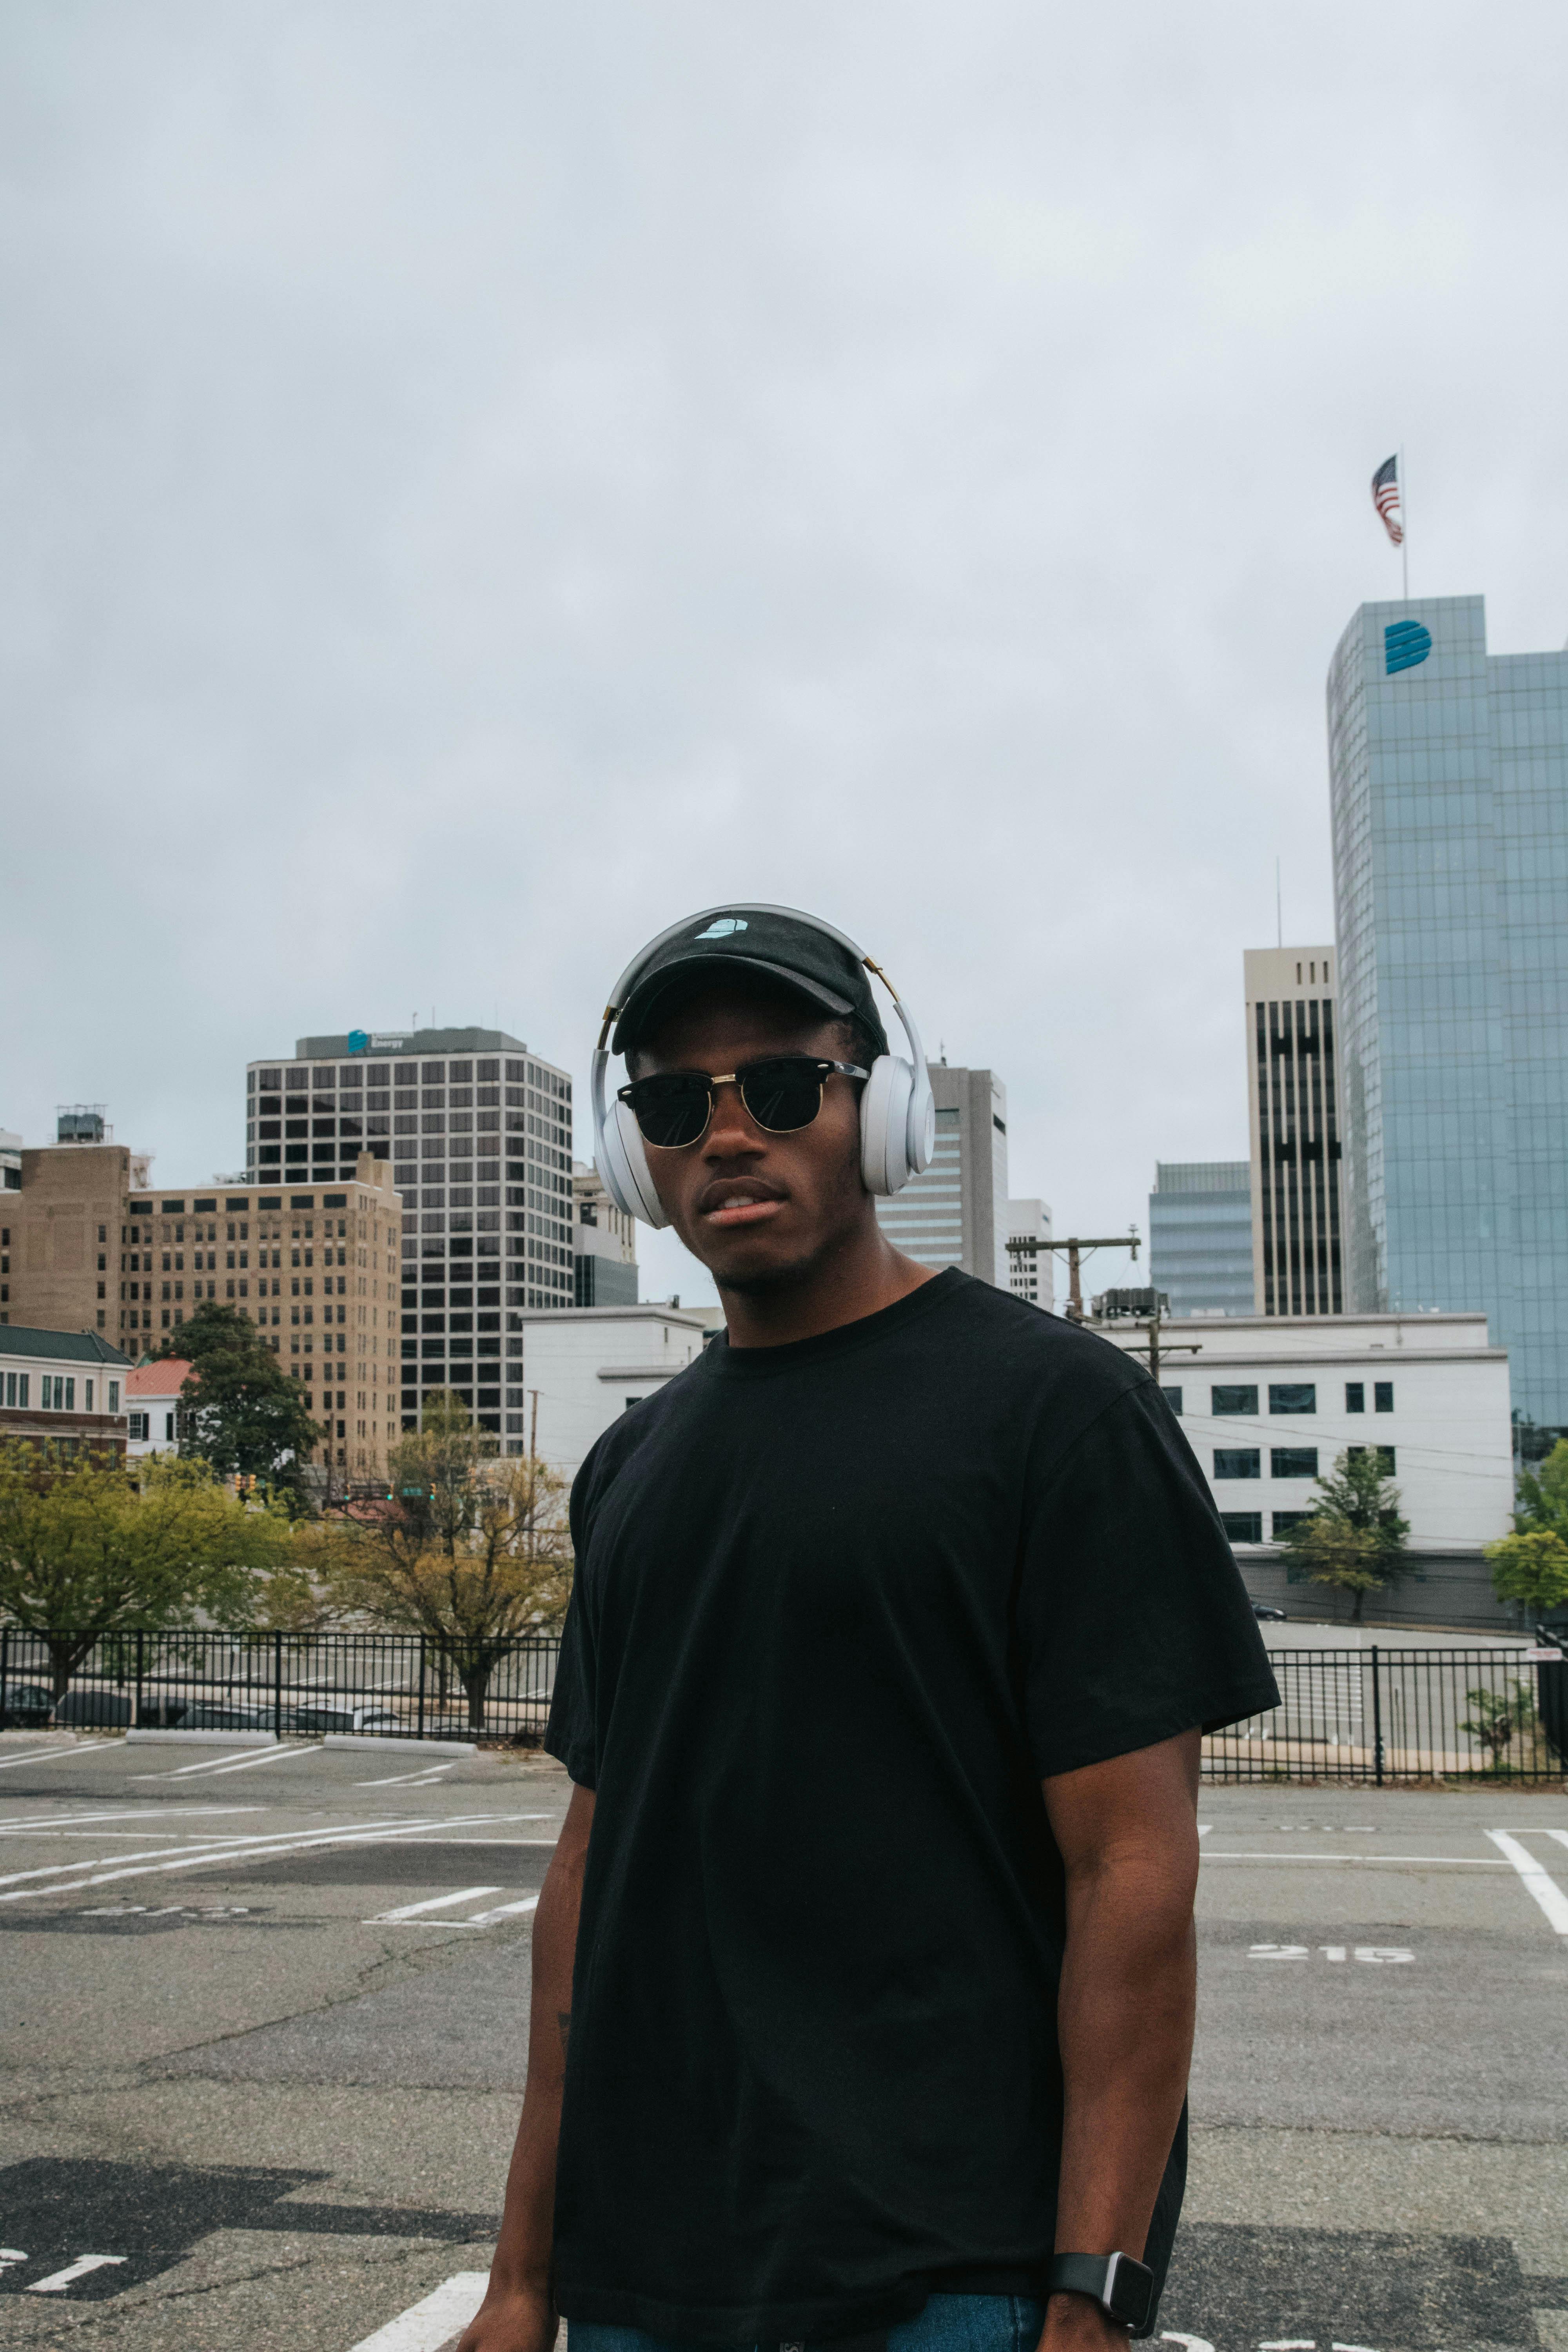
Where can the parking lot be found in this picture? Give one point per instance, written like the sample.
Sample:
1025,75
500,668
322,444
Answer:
264,2032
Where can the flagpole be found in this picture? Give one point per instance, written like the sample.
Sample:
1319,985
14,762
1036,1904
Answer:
1404,518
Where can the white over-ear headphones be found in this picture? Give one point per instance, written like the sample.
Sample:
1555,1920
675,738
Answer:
898,1117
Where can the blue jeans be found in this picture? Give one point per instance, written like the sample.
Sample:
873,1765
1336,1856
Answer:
950,2323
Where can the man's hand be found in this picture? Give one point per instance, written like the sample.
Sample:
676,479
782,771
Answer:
1127,1832
1074,2323
518,2313
517,2319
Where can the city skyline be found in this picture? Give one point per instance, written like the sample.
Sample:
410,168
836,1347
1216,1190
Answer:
532,551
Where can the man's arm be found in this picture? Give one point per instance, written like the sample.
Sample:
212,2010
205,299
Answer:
518,2313
1127,1830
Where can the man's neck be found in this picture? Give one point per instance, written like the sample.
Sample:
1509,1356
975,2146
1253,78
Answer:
859,1278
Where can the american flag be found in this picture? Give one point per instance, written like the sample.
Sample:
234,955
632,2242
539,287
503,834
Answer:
1385,498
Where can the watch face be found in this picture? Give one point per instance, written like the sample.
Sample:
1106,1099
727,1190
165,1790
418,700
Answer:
1128,2291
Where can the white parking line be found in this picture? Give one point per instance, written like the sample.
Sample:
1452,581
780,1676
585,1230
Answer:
246,1763
61,1755
425,2326
503,1911
72,1824
1537,1878
1366,1861
281,1842
57,2281
436,1902
425,1779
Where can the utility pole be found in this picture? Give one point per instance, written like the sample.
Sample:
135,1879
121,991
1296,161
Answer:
1074,1246
533,1427
1154,1352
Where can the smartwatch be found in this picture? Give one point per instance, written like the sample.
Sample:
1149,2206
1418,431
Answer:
1123,2289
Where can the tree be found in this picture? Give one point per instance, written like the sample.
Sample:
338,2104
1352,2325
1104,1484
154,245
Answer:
468,1549
91,1551
1531,1568
302,1594
246,1416
1354,1538
1544,1495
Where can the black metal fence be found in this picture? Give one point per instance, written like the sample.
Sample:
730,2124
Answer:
399,1686
1377,1715
1370,1714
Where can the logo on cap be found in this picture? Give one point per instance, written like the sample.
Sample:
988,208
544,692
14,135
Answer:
722,928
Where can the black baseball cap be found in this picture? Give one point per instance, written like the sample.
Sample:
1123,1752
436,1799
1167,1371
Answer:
786,949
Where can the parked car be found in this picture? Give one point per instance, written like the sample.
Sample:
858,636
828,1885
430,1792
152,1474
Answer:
94,1707
203,1716
162,1714
368,1719
26,1707
1269,1614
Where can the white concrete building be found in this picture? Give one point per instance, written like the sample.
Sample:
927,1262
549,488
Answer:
1030,1266
1270,1402
578,1368
152,1402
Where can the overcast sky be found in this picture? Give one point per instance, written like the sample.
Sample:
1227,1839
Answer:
483,480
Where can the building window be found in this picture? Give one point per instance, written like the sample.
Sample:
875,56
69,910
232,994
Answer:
1355,1397
1385,1457
138,1428
1285,1520
1292,1396
1242,1399
1293,1462
1382,1396
1173,1398
1242,1526
1238,1462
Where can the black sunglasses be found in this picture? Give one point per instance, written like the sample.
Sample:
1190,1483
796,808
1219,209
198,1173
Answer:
781,1094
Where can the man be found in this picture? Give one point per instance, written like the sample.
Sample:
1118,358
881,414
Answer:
898,1618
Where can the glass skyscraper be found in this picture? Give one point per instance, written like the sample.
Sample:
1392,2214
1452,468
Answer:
1450,779
1200,1236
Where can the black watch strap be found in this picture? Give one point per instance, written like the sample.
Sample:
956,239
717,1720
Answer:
1122,2287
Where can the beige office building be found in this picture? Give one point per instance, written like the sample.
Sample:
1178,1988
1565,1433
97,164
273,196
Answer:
315,1268
1293,1109
58,1231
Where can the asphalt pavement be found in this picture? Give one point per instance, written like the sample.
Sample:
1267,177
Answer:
265,2031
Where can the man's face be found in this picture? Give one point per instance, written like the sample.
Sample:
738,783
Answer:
758,1209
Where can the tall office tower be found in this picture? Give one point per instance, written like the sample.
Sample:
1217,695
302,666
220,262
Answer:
1449,777
604,1240
1030,1266
479,1130
1293,1117
956,1212
59,1228
316,1270
1200,1236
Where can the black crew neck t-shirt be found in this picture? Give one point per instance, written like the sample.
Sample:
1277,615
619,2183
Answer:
840,1606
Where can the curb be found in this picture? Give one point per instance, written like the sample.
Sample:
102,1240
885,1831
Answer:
400,1747
203,1739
